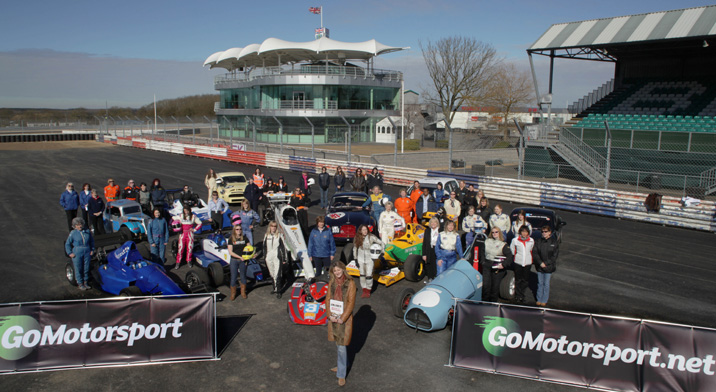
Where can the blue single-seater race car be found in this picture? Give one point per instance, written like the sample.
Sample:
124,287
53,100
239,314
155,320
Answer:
125,272
431,308
125,217
345,214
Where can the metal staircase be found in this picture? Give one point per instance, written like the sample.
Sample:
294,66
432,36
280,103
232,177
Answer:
708,181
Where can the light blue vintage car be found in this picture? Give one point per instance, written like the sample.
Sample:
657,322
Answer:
431,308
127,218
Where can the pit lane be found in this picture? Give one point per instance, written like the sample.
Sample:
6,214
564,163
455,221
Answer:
606,266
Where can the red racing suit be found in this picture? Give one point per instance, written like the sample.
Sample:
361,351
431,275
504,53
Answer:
186,237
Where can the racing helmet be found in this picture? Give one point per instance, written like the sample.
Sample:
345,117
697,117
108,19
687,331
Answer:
176,225
311,181
398,225
248,252
375,251
383,201
235,220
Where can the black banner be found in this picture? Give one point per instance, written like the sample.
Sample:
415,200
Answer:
583,349
51,335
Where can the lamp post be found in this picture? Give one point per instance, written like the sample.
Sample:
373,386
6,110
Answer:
253,125
313,138
164,125
176,122
348,139
193,130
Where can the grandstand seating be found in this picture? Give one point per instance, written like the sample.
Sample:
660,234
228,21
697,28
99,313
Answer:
657,105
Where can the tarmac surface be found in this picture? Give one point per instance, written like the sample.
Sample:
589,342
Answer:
606,266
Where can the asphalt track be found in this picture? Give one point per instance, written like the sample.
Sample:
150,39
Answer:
606,266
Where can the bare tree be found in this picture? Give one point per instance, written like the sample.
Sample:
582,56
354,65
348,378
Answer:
460,69
509,89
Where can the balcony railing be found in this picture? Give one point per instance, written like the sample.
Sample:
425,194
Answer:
331,70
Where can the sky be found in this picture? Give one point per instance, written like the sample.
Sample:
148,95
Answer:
92,54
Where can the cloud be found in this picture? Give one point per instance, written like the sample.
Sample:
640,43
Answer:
51,79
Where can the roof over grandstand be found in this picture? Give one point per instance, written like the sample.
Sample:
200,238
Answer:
274,51
689,23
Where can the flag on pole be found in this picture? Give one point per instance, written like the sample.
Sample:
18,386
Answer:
315,10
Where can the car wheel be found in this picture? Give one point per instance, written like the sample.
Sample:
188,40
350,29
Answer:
196,277
507,286
347,253
144,250
216,273
70,273
401,302
131,291
126,233
414,268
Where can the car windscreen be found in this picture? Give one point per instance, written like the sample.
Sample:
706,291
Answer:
234,179
348,201
132,210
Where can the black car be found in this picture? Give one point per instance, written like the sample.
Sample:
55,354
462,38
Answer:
538,218
345,214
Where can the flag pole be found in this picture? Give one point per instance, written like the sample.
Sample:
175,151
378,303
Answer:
322,19
155,114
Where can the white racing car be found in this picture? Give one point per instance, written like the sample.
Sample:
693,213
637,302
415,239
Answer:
287,218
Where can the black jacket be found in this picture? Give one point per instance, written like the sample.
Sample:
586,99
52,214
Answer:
546,251
324,180
252,193
340,180
374,180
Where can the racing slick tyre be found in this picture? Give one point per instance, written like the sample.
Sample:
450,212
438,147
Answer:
143,248
131,291
70,273
414,268
216,273
126,234
507,286
196,277
401,302
347,253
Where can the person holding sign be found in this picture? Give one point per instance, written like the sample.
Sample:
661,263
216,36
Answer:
341,298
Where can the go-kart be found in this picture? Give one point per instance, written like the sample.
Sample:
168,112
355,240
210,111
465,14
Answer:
125,272
431,308
307,305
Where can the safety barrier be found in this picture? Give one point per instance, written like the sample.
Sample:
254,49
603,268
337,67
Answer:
625,205
46,137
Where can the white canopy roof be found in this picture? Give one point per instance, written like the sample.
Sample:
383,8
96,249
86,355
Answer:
274,51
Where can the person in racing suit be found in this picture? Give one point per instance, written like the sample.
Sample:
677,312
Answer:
362,255
448,247
80,247
281,185
404,206
111,191
248,217
473,225
189,224
375,201
157,236
188,198
276,256
298,201
131,191
386,223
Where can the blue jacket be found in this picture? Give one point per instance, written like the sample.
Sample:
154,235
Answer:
374,202
84,199
432,205
438,194
157,195
157,230
252,193
79,239
95,205
321,243
70,200
443,254
248,218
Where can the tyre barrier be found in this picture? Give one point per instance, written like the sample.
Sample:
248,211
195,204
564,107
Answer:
46,137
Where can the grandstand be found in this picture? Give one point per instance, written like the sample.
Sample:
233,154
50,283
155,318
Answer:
654,124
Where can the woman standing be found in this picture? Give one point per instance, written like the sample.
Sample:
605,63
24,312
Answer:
189,225
275,249
386,222
361,253
157,236
80,247
237,243
545,254
324,182
158,195
340,299
85,196
439,194
95,208
248,218
495,249
430,239
259,178
483,208
521,247
448,247
210,182
145,198
521,221
70,201
500,220
473,225
281,185
358,181
339,179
